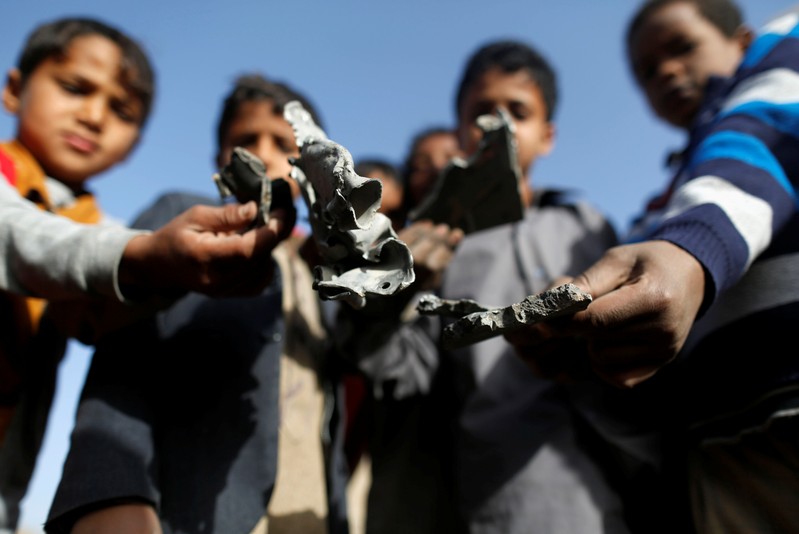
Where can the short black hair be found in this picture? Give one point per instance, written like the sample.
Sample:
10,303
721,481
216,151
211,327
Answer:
53,39
365,167
416,140
725,15
256,87
510,56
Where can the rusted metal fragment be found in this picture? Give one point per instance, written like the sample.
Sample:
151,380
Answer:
361,253
557,302
482,191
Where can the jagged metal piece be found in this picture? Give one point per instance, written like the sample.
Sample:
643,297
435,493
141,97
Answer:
430,304
362,254
245,179
482,191
556,302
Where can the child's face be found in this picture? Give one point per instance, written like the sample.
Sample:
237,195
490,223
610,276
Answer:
522,98
432,154
674,53
264,132
391,197
74,115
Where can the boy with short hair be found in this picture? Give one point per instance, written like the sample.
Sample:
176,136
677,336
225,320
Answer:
207,249
520,464
523,461
238,421
81,94
703,302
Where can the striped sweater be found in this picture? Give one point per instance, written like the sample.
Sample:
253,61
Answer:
733,205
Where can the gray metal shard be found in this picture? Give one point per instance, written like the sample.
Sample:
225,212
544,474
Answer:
481,325
483,191
430,304
244,177
362,254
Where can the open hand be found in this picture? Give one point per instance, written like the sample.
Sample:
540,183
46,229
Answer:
645,299
206,249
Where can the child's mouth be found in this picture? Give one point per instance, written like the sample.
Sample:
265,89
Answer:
80,143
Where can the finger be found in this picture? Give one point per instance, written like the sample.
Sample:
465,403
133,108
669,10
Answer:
282,222
411,234
227,218
626,378
439,257
626,365
455,237
530,336
421,249
607,274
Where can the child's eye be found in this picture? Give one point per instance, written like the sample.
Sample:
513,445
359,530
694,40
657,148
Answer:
287,146
125,113
645,72
680,48
244,141
483,109
71,88
520,112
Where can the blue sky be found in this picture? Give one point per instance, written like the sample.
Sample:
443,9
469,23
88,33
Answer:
378,72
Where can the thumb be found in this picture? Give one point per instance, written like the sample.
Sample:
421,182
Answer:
230,217
609,273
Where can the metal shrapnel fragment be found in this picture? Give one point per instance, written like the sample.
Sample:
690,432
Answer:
478,326
433,305
481,191
362,254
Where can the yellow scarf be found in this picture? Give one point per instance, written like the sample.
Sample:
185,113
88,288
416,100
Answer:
19,316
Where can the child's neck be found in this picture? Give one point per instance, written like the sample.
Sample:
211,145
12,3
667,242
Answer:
526,191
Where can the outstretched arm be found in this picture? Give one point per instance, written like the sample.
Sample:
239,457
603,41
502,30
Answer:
206,250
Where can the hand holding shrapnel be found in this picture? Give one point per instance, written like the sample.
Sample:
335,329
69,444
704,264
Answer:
477,322
361,253
245,179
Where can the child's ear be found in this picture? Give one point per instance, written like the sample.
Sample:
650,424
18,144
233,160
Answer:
744,35
548,139
12,91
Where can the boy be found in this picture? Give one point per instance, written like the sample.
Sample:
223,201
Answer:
82,93
519,460
78,114
705,299
52,257
230,433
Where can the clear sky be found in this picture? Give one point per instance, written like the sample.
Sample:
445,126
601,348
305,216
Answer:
378,72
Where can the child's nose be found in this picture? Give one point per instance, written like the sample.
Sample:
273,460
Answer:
668,68
93,112
275,161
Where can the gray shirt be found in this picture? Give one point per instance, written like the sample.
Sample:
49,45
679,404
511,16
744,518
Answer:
49,256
